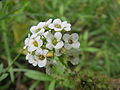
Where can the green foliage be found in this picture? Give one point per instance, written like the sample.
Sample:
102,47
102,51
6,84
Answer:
52,85
38,76
92,81
3,76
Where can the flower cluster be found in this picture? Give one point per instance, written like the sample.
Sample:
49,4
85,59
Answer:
46,37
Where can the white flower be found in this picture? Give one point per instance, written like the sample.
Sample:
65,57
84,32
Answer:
71,41
26,41
31,59
54,41
34,43
56,25
40,28
59,52
39,58
66,26
37,30
49,66
73,56
45,24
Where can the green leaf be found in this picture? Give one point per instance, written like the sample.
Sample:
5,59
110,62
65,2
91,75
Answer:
1,68
38,76
3,76
52,85
33,85
90,49
85,36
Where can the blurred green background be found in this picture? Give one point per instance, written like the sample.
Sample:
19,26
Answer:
96,21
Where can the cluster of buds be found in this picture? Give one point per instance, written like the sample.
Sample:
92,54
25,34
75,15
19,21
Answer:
48,37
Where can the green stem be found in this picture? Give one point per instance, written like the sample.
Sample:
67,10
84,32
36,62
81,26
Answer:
7,50
13,60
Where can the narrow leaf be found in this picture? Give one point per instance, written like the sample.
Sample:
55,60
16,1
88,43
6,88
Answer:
3,76
90,49
38,76
52,85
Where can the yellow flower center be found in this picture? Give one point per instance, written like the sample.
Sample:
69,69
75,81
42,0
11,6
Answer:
38,30
70,41
35,43
62,50
54,41
71,56
46,27
41,57
57,26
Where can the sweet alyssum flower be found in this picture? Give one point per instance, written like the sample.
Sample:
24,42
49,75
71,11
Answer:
59,52
27,41
66,26
58,25
47,37
54,41
37,30
34,43
49,66
38,58
73,56
41,27
44,24
31,59
71,41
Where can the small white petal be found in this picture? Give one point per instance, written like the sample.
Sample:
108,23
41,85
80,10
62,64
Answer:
76,45
33,29
34,63
75,61
40,43
74,36
41,25
57,21
58,36
41,32
67,26
27,56
28,35
49,21
24,47
51,26
42,63
59,45
32,48
27,41
31,59
58,29
67,29
46,33
45,52
64,23
67,46
66,37
38,51
34,35
49,46
48,36
57,52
